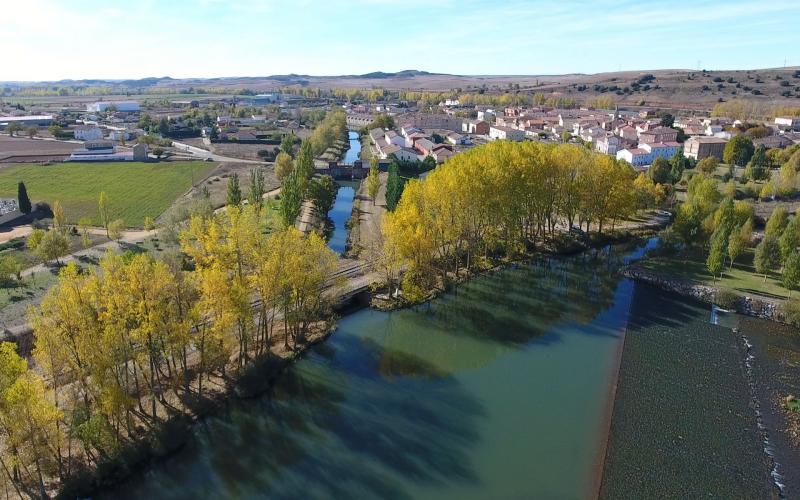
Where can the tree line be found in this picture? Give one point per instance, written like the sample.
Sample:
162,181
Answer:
503,199
124,347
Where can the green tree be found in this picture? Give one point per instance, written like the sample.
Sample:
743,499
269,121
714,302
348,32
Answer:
789,240
758,167
292,193
32,131
103,208
234,196
163,126
287,144
394,187
678,163
661,171
767,256
719,249
738,151
322,192
54,245
257,189
23,201
791,272
304,163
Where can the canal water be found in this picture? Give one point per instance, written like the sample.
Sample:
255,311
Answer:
497,390
342,208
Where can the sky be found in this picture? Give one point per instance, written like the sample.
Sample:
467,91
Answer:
76,39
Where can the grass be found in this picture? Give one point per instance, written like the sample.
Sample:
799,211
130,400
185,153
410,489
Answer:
135,190
742,278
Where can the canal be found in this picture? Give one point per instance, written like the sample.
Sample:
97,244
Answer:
342,208
500,390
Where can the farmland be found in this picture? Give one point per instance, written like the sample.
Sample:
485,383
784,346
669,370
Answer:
135,190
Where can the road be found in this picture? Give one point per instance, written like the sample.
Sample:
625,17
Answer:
203,154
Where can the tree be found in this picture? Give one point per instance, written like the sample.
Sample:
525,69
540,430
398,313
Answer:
115,229
708,165
163,126
661,171
776,222
10,268
34,239
373,183
283,166
322,192
767,256
83,227
103,208
257,189
13,128
32,131
738,151
791,272
53,245
787,180
59,218
55,130
394,187
149,224
565,136
23,201
758,166
678,163
292,192
287,144
158,152
234,196
667,120
304,163
719,249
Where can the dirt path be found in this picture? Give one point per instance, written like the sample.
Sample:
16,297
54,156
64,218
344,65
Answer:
370,215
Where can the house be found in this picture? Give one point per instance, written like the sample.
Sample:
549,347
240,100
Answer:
413,137
409,129
392,137
702,147
773,141
788,122
455,138
376,134
402,154
358,120
424,146
477,127
441,155
628,133
636,157
88,133
658,134
660,149
609,145
487,116
506,133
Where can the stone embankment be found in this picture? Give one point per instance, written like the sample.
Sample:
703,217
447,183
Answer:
759,307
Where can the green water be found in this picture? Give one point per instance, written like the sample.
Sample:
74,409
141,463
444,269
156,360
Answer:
497,391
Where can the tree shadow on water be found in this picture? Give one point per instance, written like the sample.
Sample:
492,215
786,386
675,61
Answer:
332,427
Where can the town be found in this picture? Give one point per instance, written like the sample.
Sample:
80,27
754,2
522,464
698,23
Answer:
260,250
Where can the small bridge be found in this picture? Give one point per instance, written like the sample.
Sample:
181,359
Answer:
343,171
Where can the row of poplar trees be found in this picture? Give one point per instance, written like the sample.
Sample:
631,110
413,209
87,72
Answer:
503,199
119,349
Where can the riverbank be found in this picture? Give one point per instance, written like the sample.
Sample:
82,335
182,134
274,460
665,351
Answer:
758,307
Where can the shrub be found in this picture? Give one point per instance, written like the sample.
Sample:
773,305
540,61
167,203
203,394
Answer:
726,298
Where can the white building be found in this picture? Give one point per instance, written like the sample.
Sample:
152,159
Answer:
88,133
608,145
122,106
393,137
788,122
401,153
636,157
506,133
487,116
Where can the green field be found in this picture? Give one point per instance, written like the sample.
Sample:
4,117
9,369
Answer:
135,190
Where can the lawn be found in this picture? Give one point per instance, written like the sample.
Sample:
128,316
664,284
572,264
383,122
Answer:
135,190
742,278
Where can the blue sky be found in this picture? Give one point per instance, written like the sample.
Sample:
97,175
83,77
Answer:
54,39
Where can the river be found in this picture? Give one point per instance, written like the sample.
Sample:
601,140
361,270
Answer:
499,390
342,208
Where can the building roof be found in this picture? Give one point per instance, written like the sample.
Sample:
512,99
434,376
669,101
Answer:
707,140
